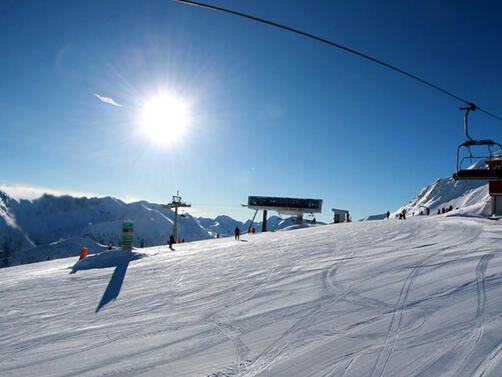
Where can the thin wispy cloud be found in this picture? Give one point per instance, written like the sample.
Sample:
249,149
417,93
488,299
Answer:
108,100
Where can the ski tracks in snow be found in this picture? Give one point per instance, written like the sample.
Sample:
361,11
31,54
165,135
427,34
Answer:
490,361
305,294
241,349
394,326
480,284
447,364
296,334
392,335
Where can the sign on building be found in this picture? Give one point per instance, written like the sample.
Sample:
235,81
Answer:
285,205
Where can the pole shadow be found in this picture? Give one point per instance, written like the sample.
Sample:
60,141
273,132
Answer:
120,260
114,286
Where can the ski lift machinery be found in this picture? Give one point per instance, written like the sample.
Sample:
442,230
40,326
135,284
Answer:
491,174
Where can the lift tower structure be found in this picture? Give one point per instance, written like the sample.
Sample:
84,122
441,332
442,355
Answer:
176,203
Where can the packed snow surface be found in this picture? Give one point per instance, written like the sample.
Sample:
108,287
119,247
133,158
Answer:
421,297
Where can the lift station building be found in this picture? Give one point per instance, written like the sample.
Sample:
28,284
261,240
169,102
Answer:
340,215
287,206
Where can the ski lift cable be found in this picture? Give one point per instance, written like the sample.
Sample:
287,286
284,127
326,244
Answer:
347,49
217,205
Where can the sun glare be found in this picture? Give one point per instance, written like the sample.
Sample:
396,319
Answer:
164,119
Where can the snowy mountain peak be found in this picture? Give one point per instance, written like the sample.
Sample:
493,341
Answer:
469,197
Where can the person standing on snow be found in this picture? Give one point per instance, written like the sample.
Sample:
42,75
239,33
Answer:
237,232
142,242
388,214
171,241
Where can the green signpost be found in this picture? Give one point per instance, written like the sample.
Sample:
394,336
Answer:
127,234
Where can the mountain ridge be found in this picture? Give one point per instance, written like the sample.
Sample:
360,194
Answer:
57,226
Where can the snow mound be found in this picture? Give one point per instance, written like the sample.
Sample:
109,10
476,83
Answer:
107,259
58,249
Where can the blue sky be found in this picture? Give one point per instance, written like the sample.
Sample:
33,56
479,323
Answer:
272,113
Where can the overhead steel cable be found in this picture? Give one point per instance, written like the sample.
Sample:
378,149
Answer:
347,49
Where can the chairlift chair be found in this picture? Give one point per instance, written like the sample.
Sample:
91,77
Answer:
475,174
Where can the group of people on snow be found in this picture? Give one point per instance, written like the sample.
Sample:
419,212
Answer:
172,241
237,232
444,210
402,215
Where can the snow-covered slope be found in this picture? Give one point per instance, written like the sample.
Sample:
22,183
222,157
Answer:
421,297
12,237
469,196
465,197
58,249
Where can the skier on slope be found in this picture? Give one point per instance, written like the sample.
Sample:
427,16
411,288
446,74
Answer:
171,241
388,214
237,232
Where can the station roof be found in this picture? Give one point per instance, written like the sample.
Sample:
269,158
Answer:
285,205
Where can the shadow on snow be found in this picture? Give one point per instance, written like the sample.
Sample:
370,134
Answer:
119,259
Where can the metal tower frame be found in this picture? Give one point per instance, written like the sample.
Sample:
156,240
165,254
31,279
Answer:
176,203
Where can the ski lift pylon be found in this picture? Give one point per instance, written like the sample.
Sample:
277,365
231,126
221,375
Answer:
475,174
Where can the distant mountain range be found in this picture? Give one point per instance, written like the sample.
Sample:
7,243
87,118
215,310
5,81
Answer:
57,226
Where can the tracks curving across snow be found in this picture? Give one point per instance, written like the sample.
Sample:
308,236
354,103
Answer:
384,298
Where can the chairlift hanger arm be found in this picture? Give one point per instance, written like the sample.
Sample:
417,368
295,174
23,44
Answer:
469,143
472,107
344,48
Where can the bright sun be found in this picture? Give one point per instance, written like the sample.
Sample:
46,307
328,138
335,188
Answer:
164,119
